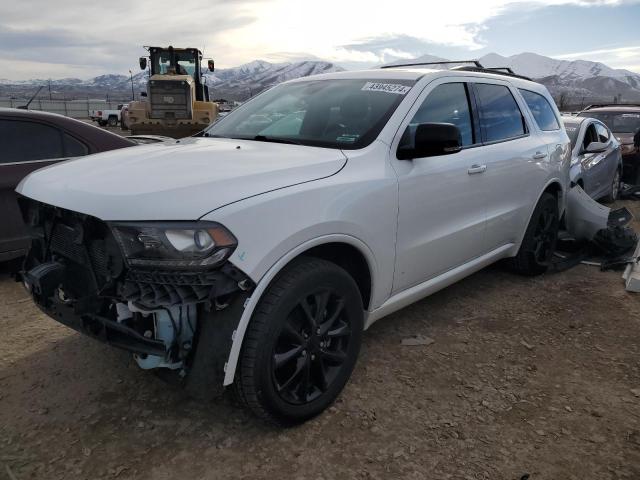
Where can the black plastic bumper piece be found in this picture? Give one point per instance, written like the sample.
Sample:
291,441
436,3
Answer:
104,329
44,281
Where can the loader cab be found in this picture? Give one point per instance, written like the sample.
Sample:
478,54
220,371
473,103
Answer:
179,61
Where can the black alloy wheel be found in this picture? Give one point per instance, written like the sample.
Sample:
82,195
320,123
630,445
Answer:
302,342
312,347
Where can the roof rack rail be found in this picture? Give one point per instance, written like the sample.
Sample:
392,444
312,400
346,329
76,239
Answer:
477,67
598,105
444,62
495,70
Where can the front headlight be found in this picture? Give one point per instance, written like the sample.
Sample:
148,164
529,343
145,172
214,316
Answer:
181,245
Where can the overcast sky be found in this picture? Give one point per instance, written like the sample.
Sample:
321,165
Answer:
85,38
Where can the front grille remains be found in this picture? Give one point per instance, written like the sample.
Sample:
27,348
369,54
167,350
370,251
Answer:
87,243
67,242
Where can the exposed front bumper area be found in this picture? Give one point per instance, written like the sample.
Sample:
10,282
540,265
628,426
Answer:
43,282
77,274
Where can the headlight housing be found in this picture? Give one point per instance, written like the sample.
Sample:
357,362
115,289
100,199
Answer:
177,245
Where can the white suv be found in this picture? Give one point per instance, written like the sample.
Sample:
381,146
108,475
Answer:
257,253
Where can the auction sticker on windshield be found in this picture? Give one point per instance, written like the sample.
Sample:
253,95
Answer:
386,87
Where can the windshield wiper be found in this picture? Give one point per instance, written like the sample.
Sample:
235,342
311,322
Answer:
264,138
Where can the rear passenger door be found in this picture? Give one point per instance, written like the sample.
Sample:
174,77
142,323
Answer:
511,154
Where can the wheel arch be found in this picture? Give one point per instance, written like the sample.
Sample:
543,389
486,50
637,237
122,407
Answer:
554,187
346,251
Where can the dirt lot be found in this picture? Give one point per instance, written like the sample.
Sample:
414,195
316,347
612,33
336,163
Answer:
526,379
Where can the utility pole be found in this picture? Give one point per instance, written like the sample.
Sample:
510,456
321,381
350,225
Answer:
133,97
49,89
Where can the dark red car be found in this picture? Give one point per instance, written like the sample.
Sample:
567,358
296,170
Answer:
30,140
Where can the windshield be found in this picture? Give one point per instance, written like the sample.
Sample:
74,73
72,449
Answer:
617,122
343,113
572,129
185,63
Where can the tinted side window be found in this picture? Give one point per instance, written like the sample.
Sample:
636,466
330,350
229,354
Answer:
24,141
541,109
73,147
603,133
447,103
500,116
590,136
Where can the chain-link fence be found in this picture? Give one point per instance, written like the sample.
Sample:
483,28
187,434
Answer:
69,108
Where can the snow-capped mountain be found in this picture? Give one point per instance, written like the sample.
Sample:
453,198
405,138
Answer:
251,78
236,83
575,80
567,72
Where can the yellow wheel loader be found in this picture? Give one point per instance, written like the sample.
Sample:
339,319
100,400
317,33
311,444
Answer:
177,101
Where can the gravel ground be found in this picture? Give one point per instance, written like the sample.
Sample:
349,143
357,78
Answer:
526,378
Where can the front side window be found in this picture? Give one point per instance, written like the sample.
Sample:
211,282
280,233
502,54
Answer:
590,136
25,141
447,103
500,116
541,110
603,133
339,113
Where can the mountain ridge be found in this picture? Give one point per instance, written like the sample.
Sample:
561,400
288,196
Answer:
579,79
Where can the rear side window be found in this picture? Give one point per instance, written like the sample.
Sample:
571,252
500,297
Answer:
603,133
74,147
25,141
541,110
500,116
447,103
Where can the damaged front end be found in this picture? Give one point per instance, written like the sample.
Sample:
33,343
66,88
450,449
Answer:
144,287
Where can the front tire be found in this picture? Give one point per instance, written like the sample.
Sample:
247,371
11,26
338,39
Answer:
113,121
539,242
614,192
302,343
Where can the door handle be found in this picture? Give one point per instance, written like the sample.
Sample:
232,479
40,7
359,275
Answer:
539,155
476,169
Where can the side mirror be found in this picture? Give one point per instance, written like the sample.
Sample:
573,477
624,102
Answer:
596,147
430,140
143,63
211,65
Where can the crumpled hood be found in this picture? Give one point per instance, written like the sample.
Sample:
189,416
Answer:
177,181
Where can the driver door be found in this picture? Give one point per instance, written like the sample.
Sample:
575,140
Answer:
442,214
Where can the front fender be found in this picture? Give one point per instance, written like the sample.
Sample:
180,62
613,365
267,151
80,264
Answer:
264,282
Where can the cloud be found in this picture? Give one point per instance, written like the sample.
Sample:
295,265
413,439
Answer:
102,37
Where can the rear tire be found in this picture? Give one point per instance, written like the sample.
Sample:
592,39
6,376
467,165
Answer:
613,194
302,343
539,242
102,123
